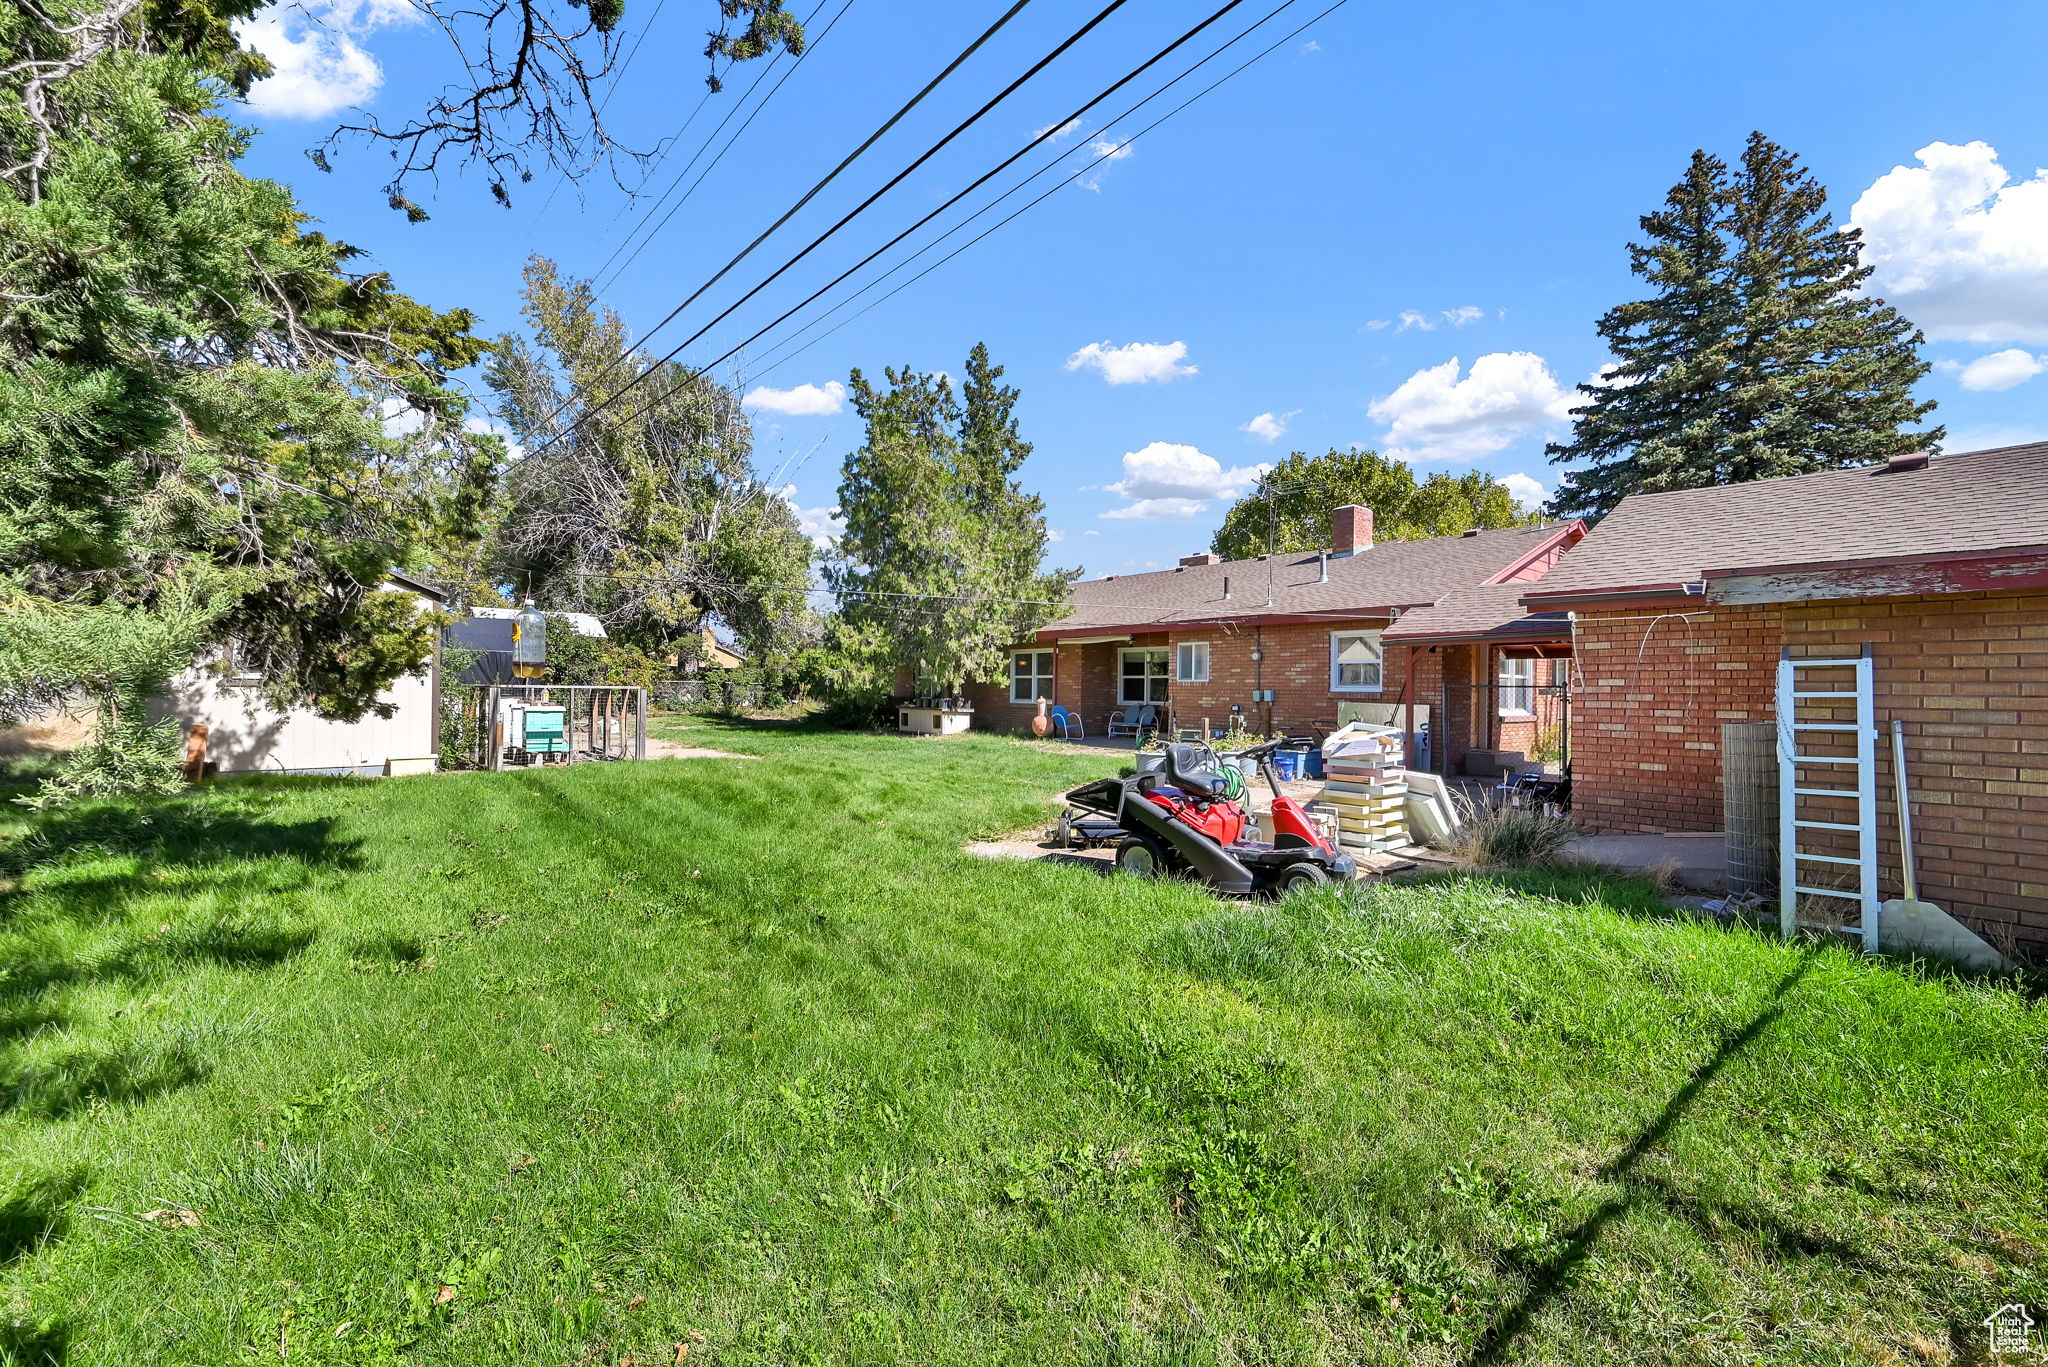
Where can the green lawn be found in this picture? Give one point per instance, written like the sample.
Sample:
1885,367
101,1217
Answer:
581,1065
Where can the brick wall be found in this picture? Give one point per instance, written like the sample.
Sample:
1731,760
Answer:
1648,702
1965,673
1296,666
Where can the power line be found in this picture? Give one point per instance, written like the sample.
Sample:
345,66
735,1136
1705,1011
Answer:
986,208
809,195
1084,170
1049,132
865,204
711,137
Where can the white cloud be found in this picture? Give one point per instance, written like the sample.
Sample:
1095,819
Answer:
1107,151
1999,370
804,401
1091,532
318,60
1435,415
1270,426
1055,535
1135,362
1065,130
1157,509
1959,246
1417,320
1528,491
823,525
1311,46
1166,479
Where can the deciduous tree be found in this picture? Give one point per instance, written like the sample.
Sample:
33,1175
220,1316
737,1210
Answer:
647,512
1290,510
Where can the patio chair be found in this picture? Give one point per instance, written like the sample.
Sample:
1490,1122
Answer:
1068,724
1124,722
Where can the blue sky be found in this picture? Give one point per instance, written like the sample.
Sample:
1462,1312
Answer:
1397,230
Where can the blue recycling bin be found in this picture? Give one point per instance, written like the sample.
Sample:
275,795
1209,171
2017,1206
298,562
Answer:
1287,764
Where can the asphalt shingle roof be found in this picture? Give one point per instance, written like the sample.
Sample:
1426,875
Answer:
1388,574
1483,610
1983,501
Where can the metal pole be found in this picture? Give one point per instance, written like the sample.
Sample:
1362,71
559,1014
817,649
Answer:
640,727
1905,811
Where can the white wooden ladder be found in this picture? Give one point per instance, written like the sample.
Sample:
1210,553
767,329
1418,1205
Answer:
1796,685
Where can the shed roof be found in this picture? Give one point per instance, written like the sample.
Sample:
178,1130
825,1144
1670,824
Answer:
1982,502
1483,612
1387,574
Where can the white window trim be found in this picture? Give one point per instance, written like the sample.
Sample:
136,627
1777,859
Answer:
1337,636
1501,686
1032,701
1179,646
1126,653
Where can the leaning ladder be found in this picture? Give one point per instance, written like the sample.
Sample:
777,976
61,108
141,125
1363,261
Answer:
1795,687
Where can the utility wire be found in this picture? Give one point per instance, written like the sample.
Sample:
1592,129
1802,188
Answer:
1049,132
809,195
992,204
1084,170
708,140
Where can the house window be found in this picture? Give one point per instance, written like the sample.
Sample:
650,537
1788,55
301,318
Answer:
1030,675
1517,681
1191,662
1355,661
1141,676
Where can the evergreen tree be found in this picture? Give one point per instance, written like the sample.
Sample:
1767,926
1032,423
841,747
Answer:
1756,355
937,570
212,432
1290,510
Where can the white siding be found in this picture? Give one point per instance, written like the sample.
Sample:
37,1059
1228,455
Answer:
245,736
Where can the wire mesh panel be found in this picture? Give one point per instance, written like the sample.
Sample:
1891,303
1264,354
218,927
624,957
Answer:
1749,801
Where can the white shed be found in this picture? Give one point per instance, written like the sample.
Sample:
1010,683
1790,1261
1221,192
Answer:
246,735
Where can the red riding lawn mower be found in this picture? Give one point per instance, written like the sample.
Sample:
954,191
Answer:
1185,821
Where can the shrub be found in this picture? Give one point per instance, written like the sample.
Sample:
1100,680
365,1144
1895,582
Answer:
1508,837
1549,746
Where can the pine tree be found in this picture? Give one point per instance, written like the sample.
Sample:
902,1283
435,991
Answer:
1755,356
938,568
1290,510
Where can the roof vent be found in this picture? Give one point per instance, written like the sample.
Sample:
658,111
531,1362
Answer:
1226,586
1322,567
1469,531
1908,460
1205,558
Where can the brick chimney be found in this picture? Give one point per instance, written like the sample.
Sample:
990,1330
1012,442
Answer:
1350,530
1205,558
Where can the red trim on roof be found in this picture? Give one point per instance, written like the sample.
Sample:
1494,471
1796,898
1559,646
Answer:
1575,531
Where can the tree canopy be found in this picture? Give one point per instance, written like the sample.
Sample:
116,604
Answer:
938,568
208,417
1756,354
1290,510
650,513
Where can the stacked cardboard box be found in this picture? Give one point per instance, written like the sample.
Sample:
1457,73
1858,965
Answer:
1366,786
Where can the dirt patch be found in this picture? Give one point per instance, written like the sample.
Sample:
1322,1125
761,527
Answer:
668,749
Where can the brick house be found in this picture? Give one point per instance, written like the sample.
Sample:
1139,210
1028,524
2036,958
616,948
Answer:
1681,603
1284,642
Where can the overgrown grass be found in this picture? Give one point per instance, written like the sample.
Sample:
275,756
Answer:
576,1066
1504,837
